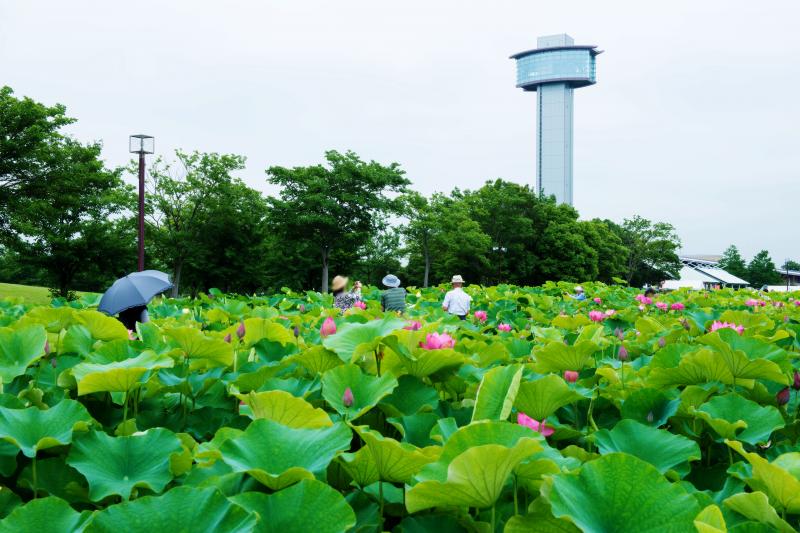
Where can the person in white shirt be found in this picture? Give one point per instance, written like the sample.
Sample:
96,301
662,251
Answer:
456,302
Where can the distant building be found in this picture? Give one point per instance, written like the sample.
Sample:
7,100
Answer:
554,70
703,274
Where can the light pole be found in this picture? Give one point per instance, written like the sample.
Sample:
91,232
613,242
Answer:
141,144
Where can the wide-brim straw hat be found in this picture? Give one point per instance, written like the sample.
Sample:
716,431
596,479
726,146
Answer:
578,288
391,281
457,279
339,282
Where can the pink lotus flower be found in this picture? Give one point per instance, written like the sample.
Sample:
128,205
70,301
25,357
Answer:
622,354
662,306
729,325
347,397
481,315
797,303
360,305
46,347
504,327
598,301
328,327
619,333
528,422
783,396
642,299
570,376
413,326
240,331
437,341
302,308
677,306
610,312
597,316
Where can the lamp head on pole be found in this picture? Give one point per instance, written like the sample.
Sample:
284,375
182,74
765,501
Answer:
142,144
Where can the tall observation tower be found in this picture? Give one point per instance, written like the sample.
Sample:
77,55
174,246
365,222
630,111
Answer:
554,69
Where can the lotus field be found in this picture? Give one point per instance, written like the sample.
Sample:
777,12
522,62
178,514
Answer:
278,413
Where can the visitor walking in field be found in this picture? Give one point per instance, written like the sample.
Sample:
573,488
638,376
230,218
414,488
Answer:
394,298
456,302
579,294
345,300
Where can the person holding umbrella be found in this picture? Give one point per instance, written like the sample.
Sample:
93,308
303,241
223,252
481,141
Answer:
128,297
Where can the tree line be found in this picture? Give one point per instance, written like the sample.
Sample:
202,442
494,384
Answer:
760,271
67,221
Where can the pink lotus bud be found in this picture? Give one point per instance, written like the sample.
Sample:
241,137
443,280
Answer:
302,308
783,396
597,316
328,327
504,327
347,397
413,326
662,306
662,342
535,425
53,362
240,331
360,305
46,348
570,376
481,315
227,338
623,353
619,333
296,332
598,301
796,382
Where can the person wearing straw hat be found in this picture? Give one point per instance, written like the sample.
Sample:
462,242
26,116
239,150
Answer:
394,297
456,302
345,300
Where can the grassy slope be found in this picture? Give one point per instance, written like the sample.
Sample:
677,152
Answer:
35,295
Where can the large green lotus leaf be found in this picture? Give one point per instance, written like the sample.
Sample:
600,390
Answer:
650,406
431,361
310,505
117,465
476,434
710,520
700,366
353,339
18,349
539,518
439,522
570,322
8,501
396,462
735,417
182,509
208,452
475,478
201,350
659,447
367,390
257,329
558,357
282,407
32,429
749,358
78,339
56,478
416,429
360,466
317,359
411,396
44,515
102,327
782,488
496,393
54,319
755,506
120,376
621,493
277,455
543,397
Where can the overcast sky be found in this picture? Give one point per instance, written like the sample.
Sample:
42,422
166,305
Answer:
694,119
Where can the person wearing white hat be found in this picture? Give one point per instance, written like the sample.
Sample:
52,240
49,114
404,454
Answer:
456,302
394,297
579,294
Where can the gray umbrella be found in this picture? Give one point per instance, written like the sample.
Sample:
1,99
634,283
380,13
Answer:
133,290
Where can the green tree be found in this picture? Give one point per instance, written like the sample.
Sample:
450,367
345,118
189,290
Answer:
71,222
612,256
378,257
790,265
28,131
761,270
733,263
419,232
652,250
180,197
334,207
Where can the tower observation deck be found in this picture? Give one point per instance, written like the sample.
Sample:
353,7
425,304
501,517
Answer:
554,70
